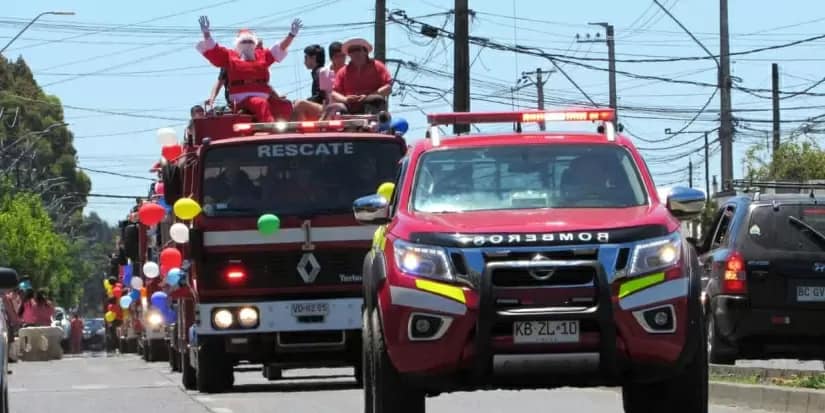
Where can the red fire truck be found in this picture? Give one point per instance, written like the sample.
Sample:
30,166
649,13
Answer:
285,299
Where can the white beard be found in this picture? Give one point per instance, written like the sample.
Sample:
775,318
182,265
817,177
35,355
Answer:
247,52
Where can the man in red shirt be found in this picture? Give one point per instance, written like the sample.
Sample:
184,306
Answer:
364,83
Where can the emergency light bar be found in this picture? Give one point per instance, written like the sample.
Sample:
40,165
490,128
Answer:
570,115
315,126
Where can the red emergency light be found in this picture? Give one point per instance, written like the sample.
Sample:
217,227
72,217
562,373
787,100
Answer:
235,273
534,116
292,127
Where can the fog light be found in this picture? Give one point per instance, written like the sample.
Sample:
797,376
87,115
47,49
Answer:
661,318
222,319
248,317
427,327
657,320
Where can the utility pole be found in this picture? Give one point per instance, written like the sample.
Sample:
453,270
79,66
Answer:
539,83
726,125
611,65
707,168
690,172
775,98
381,30
461,63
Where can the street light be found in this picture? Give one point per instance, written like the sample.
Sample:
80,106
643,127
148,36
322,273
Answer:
56,13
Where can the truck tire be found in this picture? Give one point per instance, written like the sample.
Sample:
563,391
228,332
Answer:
718,351
687,392
390,392
366,360
214,373
188,373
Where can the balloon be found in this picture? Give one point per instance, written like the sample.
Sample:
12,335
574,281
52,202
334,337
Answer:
125,301
143,292
110,316
135,294
106,284
400,125
159,299
386,189
159,189
187,208
268,224
179,233
110,307
151,270
173,277
171,152
136,283
151,214
171,258
127,274
117,292
167,136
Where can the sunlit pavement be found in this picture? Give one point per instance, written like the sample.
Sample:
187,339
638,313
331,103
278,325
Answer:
95,382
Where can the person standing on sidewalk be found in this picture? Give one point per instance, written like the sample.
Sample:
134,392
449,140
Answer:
77,334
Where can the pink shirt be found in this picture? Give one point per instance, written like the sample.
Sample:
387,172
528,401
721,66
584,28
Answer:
35,314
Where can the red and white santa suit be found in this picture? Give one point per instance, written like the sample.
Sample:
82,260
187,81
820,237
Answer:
248,72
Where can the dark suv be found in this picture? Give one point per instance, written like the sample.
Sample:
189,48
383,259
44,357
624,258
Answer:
764,278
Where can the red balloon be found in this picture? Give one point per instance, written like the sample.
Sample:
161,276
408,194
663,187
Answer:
170,258
151,214
159,189
117,292
111,307
171,152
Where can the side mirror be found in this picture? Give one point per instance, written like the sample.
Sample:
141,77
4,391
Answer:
8,278
685,203
371,210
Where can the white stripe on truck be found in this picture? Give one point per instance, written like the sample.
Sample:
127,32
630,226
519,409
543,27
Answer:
287,236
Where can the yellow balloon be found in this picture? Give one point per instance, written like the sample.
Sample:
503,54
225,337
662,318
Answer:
109,316
186,208
386,189
107,285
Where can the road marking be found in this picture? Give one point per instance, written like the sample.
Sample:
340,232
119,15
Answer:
221,410
92,387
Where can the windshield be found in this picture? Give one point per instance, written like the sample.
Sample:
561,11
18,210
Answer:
527,176
295,178
781,230
94,324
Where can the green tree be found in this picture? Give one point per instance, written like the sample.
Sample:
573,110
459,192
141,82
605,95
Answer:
795,160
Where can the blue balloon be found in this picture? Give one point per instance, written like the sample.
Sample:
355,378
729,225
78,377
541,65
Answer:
135,295
162,202
400,125
127,274
173,277
159,299
125,302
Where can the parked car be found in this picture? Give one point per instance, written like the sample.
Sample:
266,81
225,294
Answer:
8,279
61,320
94,331
763,264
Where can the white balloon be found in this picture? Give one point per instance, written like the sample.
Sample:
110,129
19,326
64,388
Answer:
137,283
179,233
151,270
167,136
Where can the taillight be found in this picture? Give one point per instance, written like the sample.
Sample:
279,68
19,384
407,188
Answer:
235,274
734,280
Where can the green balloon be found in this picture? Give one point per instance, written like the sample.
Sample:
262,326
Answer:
268,224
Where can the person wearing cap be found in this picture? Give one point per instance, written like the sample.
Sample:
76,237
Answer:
364,83
247,68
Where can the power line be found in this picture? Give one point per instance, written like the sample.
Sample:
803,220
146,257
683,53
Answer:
114,174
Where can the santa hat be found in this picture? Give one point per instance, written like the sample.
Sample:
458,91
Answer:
245,34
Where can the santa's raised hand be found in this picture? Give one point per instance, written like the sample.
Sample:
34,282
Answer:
296,25
204,22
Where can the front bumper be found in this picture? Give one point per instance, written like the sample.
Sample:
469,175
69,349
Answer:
478,346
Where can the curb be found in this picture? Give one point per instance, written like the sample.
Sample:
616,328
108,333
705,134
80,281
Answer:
771,398
736,371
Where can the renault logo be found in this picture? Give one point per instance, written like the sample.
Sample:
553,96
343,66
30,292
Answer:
819,266
308,268
541,274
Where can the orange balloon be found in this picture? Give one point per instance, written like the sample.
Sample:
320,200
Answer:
143,292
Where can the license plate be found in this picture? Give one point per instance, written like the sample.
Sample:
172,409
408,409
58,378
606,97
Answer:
810,294
309,309
527,332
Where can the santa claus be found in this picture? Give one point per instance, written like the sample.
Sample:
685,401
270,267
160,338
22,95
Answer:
247,67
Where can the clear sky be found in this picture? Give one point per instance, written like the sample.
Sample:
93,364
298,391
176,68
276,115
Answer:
137,60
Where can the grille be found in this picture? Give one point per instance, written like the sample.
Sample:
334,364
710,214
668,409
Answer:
514,277
297,338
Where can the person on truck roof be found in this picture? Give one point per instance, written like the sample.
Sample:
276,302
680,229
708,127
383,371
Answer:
247,68
364,83
326,77
311,107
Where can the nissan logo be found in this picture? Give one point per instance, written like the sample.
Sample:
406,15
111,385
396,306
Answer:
541,274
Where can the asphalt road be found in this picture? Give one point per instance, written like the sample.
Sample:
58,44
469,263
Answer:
126,384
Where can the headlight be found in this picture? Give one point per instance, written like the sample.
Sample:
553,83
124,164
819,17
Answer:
155,319
223,318
248,317
422,260
655,255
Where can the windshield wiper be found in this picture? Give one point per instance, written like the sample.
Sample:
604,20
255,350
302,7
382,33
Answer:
817,236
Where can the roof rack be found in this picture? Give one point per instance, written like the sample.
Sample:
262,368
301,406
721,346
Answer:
605,116
755,187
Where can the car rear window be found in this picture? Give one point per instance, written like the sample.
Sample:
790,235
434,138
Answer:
772,229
